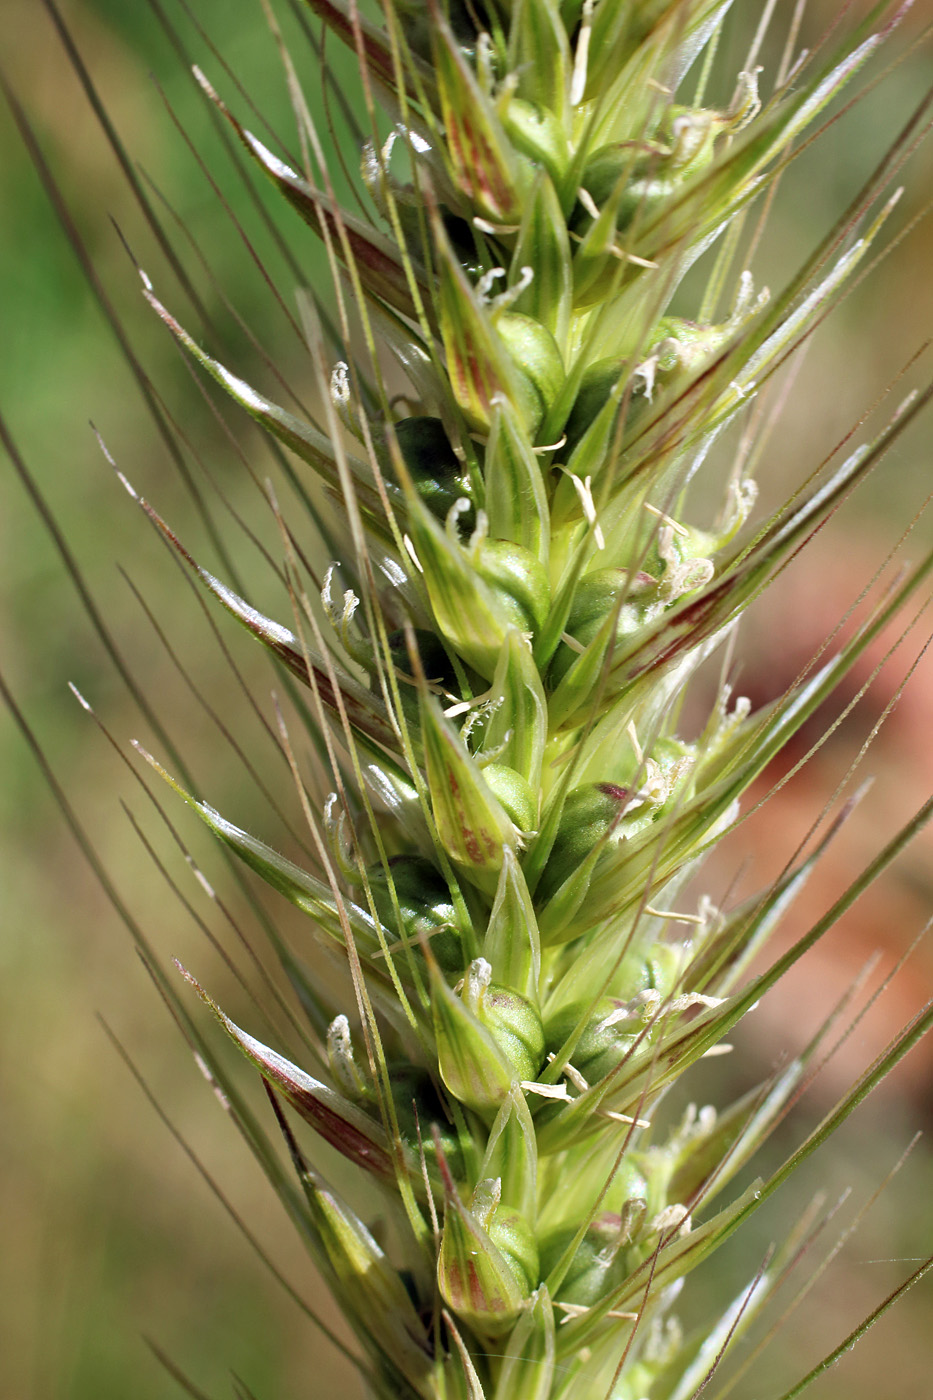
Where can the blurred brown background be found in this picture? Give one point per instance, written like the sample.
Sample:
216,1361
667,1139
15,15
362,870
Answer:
109,1234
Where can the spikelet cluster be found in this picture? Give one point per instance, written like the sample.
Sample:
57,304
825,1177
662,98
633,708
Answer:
530,575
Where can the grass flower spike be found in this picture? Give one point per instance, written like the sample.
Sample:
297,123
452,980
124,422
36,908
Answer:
539,388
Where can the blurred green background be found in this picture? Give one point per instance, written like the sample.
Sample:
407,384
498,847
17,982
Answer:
110,1235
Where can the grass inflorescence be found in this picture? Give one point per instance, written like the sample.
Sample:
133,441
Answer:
539,385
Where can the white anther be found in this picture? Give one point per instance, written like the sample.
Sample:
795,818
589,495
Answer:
623,1118
459,709
581,57
545,1091
575,1078
668,520
407,541
625,256
671,1218
485,226
588,202
550,446
674,916
584,489
691,999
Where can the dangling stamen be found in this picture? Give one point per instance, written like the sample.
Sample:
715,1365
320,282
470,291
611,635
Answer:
407,541
666,520
550,446
674,916
584,489
581,57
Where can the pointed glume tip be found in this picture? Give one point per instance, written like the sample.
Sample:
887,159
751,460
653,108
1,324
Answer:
79,697
143,753
189,977
204,84
108,456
